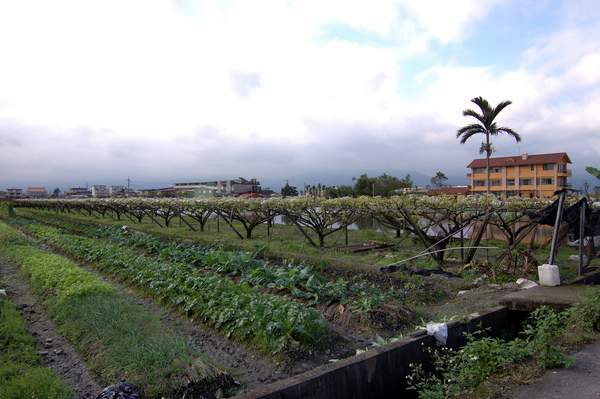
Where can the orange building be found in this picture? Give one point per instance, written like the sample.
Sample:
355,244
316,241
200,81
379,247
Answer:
525,176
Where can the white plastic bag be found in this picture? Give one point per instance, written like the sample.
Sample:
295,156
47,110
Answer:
439,331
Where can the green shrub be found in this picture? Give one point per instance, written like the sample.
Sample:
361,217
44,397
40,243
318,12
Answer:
6,210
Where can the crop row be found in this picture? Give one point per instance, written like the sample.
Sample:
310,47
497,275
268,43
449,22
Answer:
272,322
298,280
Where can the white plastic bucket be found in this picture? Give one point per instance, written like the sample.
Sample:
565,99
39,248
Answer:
549,275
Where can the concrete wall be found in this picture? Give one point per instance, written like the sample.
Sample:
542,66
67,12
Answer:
381,372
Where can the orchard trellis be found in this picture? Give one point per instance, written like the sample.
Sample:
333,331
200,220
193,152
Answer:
432,221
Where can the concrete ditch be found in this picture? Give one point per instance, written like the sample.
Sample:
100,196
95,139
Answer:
381,372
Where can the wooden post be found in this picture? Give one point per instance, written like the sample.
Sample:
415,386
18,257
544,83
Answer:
231,225
346,228
302,230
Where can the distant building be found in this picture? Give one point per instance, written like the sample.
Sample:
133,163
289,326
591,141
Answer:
36,192
411,191
14,193
458,192
151,192
116,191
524,176
220,187
99,191
78,192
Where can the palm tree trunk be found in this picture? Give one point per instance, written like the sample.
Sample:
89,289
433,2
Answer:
487,160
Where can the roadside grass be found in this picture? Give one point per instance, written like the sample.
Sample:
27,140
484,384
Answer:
22,374
118,339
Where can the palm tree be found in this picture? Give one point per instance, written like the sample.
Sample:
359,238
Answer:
485,126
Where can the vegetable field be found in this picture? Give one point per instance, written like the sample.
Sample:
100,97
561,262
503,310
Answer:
167,306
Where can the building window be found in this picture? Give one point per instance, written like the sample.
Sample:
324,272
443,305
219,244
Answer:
526,182
532,167
495,182
510,194
546,182
495,170
479,170
480,183
549,166
510,182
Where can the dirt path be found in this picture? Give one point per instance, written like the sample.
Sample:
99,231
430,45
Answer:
57,352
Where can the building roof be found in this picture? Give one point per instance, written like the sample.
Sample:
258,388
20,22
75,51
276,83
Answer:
463,190
524,159
32,189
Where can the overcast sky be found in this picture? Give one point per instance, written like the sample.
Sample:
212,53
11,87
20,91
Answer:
187,90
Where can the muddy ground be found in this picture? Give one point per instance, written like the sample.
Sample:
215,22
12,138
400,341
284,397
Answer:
248,368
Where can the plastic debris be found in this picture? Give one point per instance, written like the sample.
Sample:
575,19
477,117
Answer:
3,292
439,332
122,390
525,284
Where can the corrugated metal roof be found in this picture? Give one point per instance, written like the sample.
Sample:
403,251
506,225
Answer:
518,160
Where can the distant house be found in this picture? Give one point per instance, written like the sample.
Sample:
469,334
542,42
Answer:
458,192
250,195
14,193
36,192
525,175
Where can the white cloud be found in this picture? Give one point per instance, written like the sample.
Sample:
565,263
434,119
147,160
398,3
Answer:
191,87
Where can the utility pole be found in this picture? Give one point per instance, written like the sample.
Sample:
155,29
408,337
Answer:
128,181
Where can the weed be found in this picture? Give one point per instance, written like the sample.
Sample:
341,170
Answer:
459,371
541,330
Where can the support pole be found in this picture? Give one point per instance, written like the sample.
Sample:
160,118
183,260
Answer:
581,233
559,211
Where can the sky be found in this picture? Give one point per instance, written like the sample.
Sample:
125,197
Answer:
153,92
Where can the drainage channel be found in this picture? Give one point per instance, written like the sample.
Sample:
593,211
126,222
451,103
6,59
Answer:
381,372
